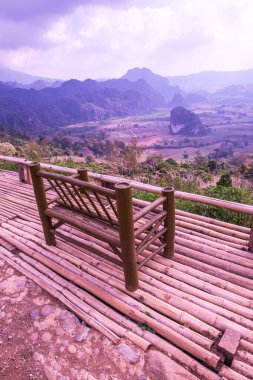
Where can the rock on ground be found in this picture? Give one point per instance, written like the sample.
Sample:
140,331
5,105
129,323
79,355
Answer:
128,353
161,367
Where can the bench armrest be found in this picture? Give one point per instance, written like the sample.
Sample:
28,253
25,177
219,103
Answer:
153,205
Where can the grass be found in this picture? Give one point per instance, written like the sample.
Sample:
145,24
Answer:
11,166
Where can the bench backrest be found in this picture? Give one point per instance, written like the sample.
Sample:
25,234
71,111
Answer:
85,197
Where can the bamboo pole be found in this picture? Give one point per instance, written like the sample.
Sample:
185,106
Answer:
211,238
235,278
243,368
219,247
210,232
194,224
126,233
246,345
169,223
245,356
213,222
229,266
214,252
41,200
230,374
251,237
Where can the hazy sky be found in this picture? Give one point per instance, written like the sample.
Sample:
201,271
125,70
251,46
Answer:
102,39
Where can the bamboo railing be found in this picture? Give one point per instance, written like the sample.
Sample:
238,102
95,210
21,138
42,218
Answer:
24,176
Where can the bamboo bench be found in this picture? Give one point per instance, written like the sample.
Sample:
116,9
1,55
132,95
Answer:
129,226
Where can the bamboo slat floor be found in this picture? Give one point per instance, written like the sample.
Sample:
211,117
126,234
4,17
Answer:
183,306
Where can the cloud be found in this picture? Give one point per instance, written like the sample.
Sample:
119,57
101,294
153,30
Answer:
29,10
104,38
24,23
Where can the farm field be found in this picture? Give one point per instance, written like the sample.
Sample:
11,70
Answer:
232,126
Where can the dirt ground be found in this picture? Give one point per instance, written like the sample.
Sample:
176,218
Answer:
40,339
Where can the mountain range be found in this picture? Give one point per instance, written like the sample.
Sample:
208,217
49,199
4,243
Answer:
74,101
209,81
212,80
45,104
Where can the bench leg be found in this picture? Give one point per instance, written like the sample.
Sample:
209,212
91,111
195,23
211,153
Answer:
47,227
40,196
126,232
169,223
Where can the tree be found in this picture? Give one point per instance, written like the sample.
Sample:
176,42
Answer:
171,161
211,165
225,180
228,193
112,150
185,155
154,162
89,159
33,151
7,149
131,154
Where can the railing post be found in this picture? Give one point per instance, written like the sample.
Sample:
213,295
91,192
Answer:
24,173
107,185
40,196
251,237
83,176
28,175
21,173
126,232
169,223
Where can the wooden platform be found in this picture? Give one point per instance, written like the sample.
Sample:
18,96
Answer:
184,305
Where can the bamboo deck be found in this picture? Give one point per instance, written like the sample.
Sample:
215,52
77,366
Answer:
188,301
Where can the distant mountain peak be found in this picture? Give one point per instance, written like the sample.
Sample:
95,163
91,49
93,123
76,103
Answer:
8,75
142,73
158,82
143,70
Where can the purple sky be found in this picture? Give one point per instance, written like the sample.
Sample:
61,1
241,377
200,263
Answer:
101,39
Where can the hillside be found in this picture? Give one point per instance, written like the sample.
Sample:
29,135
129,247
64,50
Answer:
185,122
234,94
74,101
